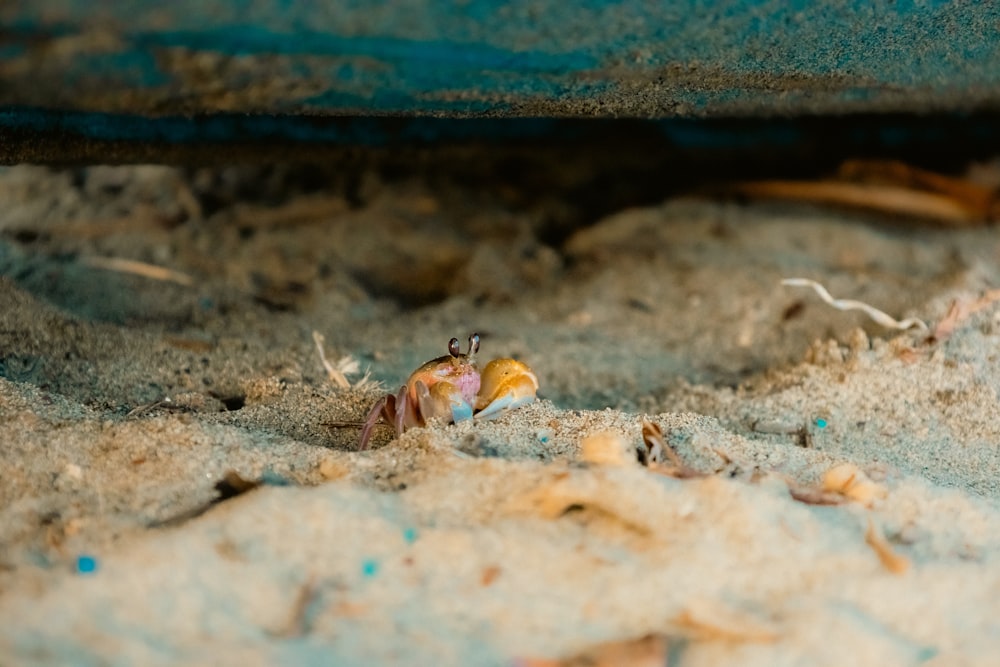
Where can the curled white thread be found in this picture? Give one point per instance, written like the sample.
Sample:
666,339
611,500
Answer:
850,304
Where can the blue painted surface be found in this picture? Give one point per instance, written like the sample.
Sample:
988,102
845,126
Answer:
227,71
541,57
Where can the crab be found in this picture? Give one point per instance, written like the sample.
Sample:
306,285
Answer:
453,389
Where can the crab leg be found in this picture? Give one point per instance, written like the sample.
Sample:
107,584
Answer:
392,409
378,410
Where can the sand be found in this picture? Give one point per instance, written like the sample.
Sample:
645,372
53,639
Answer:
127,399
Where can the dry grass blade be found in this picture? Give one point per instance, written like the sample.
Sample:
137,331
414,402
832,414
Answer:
346,365
890,199
978,199
335,374
849,304
139,269
888,187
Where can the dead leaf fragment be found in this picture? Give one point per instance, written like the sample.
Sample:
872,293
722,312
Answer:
961,311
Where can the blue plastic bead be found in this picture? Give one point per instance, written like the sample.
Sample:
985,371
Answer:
86,564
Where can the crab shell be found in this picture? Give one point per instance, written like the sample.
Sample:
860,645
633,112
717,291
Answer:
452,388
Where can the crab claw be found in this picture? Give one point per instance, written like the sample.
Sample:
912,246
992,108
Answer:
505,384
444,400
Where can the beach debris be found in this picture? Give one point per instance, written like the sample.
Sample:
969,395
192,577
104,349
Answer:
345,366
144,269
608,448
165,403
842,483
452,388
892,561
851,482
657,454
369,568
889,187
86,564
812,495
959,311
849,304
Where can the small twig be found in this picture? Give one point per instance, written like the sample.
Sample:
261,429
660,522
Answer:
849,304
888,199
147,407
340,423
140,269
892,561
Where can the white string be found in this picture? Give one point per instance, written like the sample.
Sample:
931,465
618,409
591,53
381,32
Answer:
850,304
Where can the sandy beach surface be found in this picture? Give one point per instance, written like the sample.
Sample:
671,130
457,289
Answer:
180,480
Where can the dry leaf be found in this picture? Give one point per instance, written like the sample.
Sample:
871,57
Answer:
961,311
